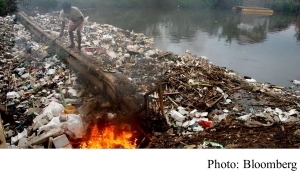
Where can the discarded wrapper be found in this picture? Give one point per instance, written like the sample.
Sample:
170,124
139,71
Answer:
214,144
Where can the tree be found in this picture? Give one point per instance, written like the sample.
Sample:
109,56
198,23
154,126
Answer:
7,6
3,7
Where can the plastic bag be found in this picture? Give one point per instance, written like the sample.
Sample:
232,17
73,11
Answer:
72,124
55,108
54,123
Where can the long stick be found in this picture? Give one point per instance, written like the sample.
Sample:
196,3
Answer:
2,137
38,50
172,101
62,97
213,103
161,104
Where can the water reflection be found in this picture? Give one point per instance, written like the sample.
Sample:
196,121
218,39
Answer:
261,46
184,24
297,29
253,28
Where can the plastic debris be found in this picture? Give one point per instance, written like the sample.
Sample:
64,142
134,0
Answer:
205,95
214,144
296,82
177,116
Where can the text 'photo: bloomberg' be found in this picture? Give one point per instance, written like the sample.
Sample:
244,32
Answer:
252,164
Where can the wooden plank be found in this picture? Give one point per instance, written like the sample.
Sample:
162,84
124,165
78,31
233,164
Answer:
116,83
2,137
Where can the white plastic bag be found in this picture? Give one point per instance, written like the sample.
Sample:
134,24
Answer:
74,125
54,123
12,95
55,109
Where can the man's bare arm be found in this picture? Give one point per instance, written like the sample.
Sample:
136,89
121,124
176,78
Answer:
62,28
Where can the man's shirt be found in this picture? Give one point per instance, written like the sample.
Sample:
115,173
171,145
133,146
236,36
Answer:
74,15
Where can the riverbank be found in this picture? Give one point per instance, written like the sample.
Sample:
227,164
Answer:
278,6
201,103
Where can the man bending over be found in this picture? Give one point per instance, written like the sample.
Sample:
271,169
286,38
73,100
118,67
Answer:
76,21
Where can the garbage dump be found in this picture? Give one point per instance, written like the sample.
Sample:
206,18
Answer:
203,102
190,103
44,102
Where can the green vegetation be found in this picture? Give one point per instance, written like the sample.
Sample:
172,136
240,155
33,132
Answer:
288,7
3,6
156,3
7,6
277,5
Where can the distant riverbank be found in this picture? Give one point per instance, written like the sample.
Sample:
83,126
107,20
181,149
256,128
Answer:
277,6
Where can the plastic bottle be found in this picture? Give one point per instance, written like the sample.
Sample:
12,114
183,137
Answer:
177,116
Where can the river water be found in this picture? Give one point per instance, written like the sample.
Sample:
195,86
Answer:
264,47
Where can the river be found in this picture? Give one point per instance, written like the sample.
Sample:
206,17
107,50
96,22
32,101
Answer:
264,47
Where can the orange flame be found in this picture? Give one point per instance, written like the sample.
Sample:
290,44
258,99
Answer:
108,139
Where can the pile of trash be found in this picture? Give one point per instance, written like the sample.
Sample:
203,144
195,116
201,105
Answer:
43,102
192,97
114,49
132,53
198,97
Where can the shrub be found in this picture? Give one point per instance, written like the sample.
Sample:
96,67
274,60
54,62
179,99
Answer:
7,6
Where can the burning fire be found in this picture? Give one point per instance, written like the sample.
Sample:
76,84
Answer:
109,138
